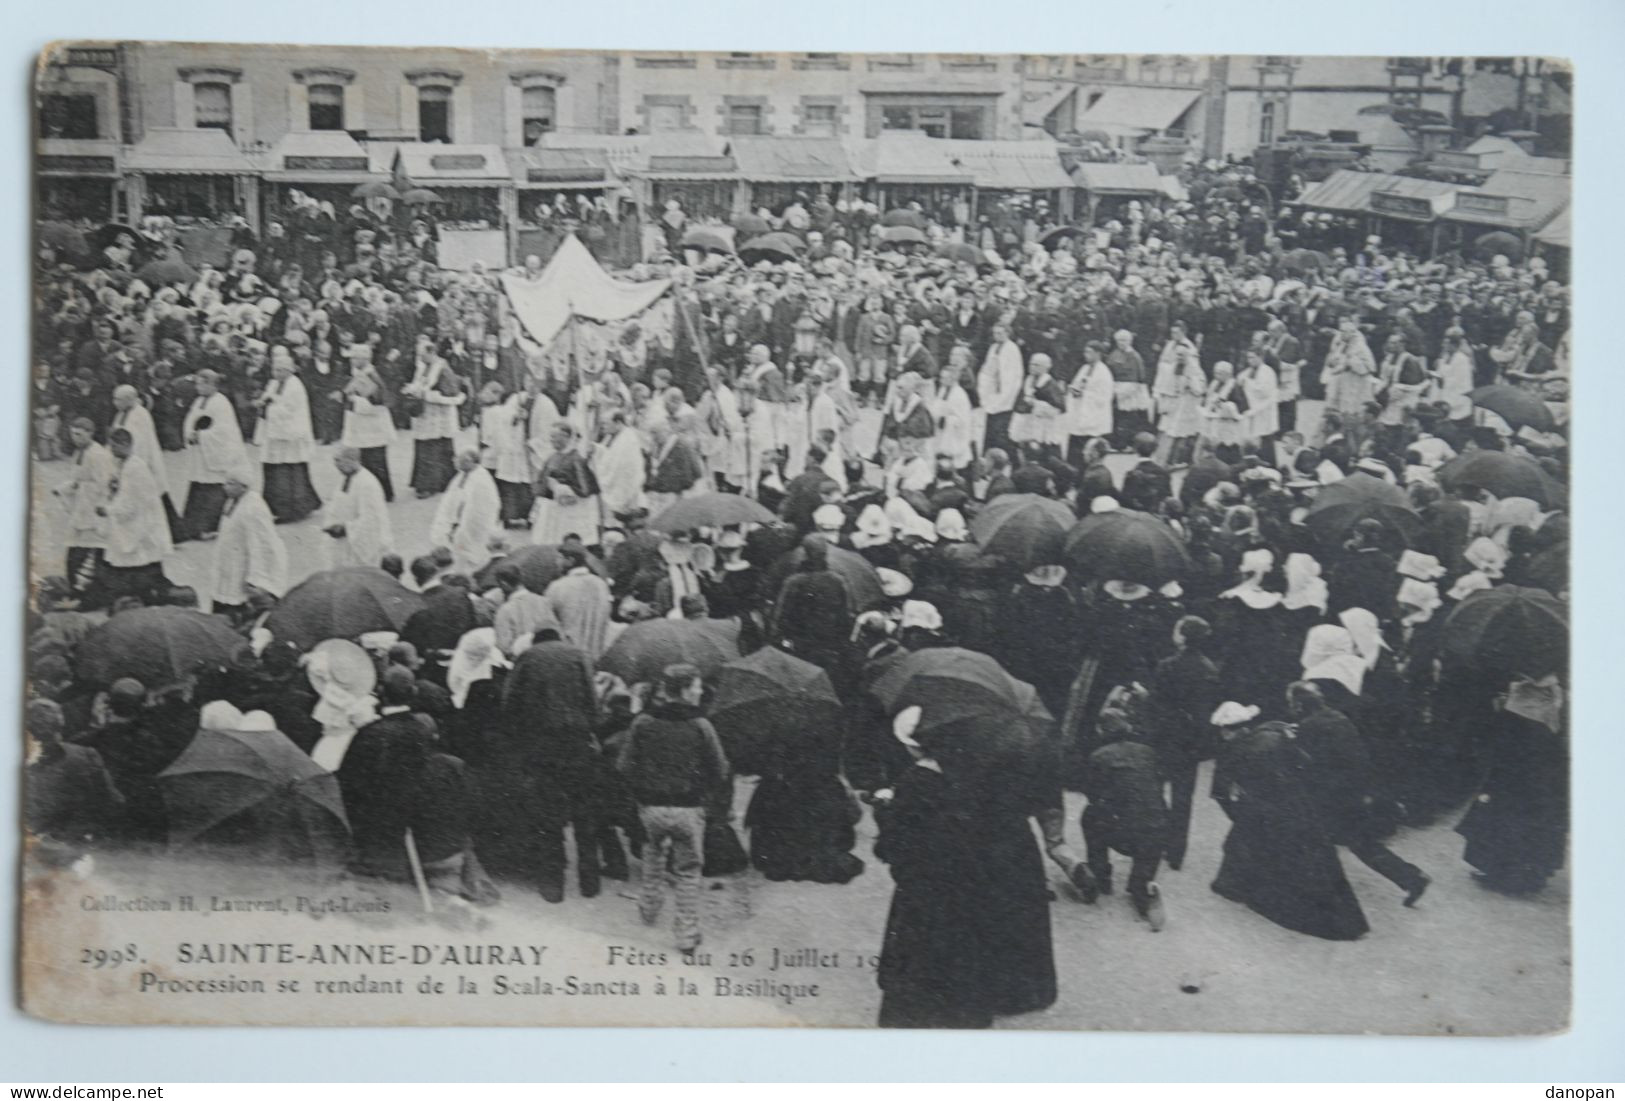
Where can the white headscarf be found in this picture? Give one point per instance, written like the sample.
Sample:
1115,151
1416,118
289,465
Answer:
473,661
1367,634
1305,588
1251,592
1421,595
219,715
1328,654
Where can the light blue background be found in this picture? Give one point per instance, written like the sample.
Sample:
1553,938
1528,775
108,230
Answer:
1589,33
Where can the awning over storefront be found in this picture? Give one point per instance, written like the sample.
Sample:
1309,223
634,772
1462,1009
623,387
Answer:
1154,109
1350,192
560,169
1105,178
629,153
1048,100
1008,165
1513,200
792,160
319,156
908,157
77,157
435,165
175,152
1411,199
1557,232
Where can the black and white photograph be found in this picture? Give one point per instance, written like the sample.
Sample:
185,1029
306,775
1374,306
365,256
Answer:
823,539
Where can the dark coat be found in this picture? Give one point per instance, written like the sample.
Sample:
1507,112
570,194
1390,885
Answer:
1278,857
1126,809
549,708
1340,774
1146,485
446,616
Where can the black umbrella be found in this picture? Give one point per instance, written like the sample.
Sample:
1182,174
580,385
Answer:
711,510
1508,630
342,603
1504,475
1341,505
1126,545
1305,259
1027,529
770,246
751,225
855,571
1060,233
772,708
539,565
903,235
709,238
644,650
903,217
110,233
162,273
1518,407
1497,243
961,253
157,646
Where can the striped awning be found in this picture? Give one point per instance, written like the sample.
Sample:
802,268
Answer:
177,152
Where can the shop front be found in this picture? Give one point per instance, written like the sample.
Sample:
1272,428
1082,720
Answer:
326,165
906,168
200,181
778,170
706,187
77,181
1109,187
1513,202
1407,214
1017,180
560,192
475,206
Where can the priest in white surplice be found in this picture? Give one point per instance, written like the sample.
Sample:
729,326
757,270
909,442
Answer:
250,556
287,442
1089,401
621,467
357,518
137,531
214,446
470,513
135,418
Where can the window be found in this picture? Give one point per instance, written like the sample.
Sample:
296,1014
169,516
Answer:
665,117
434,113
826,61
1266,124
744,118
68,116
937,122
537,109
820,120
326,107
211,106
965,122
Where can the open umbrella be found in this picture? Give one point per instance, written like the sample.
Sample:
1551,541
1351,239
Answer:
974,713
1504,475
110,233
374,189
644,649
1126,545
751,225
255,788
161,273
1497,243
769,706
1305,259
1341,505
711,510
1060,233
1519,408
1508,630
903,217
156,646
539,565
903,235
343,603
961,253
1027,529
419,196
770,246
861,581
710,238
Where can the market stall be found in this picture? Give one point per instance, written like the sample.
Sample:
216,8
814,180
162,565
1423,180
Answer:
1015,177
909,167
775,170
200,180
1401,209
327,165
565,191
475,189
1108,188
1512,201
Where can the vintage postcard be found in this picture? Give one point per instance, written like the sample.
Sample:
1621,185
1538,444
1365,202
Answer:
1052,541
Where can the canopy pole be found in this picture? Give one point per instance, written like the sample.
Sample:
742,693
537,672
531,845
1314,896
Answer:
418,877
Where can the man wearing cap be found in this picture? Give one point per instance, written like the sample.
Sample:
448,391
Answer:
357,517
138,534
214,447
84,498
468,515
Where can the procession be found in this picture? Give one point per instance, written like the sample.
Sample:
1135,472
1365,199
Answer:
1007,571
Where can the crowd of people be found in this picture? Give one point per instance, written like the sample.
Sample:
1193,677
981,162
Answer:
881,402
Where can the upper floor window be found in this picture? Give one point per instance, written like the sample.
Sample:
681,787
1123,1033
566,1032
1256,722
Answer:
211,105
326,107
434,113
744,118
68,115
820,120
538,108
